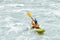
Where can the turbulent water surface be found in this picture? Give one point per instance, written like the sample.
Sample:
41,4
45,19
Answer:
14,22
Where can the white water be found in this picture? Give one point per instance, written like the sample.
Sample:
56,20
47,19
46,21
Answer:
14,22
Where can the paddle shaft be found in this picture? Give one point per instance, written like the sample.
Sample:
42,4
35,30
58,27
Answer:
32,18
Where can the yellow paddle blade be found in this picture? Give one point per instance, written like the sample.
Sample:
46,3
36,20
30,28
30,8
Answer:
29,14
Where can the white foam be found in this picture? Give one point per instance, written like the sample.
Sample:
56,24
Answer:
19,23
14,4
8,18
1,6
56,12
0,16
12,28
32,0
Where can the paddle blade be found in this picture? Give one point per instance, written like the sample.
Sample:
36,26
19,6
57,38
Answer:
29,14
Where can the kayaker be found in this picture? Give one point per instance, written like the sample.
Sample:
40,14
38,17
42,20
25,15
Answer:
34,23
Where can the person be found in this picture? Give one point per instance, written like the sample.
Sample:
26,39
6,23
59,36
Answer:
35,23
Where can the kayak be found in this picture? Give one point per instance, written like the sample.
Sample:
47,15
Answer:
40,30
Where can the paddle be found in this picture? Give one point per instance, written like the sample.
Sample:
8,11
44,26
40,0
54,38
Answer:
29,14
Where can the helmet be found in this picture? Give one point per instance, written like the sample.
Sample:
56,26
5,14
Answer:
35,21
